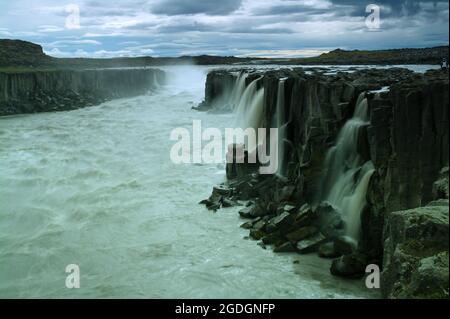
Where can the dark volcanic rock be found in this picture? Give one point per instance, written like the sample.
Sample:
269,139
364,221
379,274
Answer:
245,212
416,253
350,266
273,238
62,90
344,245
440,187
256,234
329,220
302,233
327,251
286,247
280,223
306,216
311,244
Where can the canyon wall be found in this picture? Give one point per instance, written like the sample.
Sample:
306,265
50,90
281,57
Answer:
405,140
61,90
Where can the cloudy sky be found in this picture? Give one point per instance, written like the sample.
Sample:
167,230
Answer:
271,28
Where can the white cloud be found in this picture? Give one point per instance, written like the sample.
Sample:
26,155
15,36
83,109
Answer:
49,28
68,43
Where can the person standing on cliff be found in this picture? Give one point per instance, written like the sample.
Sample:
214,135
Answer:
444,65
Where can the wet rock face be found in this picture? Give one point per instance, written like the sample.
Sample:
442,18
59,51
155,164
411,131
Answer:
409,139
44,91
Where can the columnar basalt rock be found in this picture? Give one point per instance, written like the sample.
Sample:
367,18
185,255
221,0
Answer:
406,139
60,90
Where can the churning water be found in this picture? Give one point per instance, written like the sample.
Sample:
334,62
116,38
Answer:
95,187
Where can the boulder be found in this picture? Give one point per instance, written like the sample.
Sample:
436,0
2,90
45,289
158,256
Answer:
431,280
285,193
440,187
257,234
329,220
286,247
245,212
327,251
259,225
344,245
227,202
415,240
221,190
289,209
302,233
304,217
311,244
349,266
247,225
280,223
271,239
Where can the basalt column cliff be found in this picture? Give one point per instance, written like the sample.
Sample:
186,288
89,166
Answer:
62,90
363,172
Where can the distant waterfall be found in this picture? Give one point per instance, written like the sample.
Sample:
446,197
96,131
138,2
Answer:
347,179
156,84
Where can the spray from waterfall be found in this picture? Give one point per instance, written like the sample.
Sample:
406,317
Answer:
348,175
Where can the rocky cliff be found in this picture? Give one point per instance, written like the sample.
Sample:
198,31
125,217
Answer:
60,90
392,158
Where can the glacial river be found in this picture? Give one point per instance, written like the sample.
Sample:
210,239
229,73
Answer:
95,187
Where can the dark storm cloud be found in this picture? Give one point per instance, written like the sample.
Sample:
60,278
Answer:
397,7
210,7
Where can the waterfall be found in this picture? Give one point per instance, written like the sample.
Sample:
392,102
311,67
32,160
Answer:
279,121
156,84
250,106
347,178
238,90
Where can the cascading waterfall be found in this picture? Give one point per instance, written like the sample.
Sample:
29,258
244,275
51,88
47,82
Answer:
279,121
244,101
249,110
238,90
348,176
